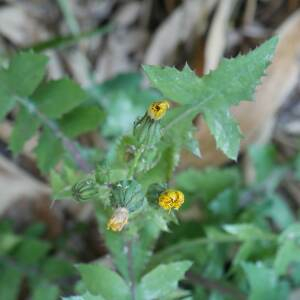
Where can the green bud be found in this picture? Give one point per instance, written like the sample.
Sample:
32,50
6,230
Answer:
147,131
128,194
85,189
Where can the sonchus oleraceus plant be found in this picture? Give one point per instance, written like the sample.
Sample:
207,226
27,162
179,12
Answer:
130,188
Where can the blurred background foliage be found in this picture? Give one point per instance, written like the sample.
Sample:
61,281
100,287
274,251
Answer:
101,45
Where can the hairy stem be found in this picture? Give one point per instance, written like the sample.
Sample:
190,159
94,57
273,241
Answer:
135,162
71,146
130,269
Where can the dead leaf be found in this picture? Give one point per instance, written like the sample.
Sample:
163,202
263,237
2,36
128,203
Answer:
19,27
15,184
189,19
217,35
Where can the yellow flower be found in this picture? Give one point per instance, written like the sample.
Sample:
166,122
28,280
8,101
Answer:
158,109
171,199
118,220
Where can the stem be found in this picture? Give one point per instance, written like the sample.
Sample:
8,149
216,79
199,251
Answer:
130,269
71,146
135,162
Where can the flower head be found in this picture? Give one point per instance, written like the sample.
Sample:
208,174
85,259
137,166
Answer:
85,189
118,220
158,109
171,199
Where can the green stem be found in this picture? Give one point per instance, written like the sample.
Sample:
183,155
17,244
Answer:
135,162
130,269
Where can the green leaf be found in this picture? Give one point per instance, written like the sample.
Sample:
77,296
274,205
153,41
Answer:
279,211
207,183
235,80
49,150
264,283
7,102
10,283
8,241
225,205
81,120
46,292
57,97
263,158
289,252
25,72
246,231
86,296
55,268
161,281
292,232
101,281
32,251
25,126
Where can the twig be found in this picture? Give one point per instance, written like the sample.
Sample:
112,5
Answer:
71,146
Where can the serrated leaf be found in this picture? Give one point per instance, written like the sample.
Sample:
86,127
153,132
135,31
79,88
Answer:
25,126
81,120
48,151
235,80
57,97
160,282
101,281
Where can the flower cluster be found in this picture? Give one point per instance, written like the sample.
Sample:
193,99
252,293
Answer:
126,196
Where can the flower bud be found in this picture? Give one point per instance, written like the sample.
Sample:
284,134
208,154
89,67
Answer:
85,189
147,131
128,194
171,199
158,109
118,220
